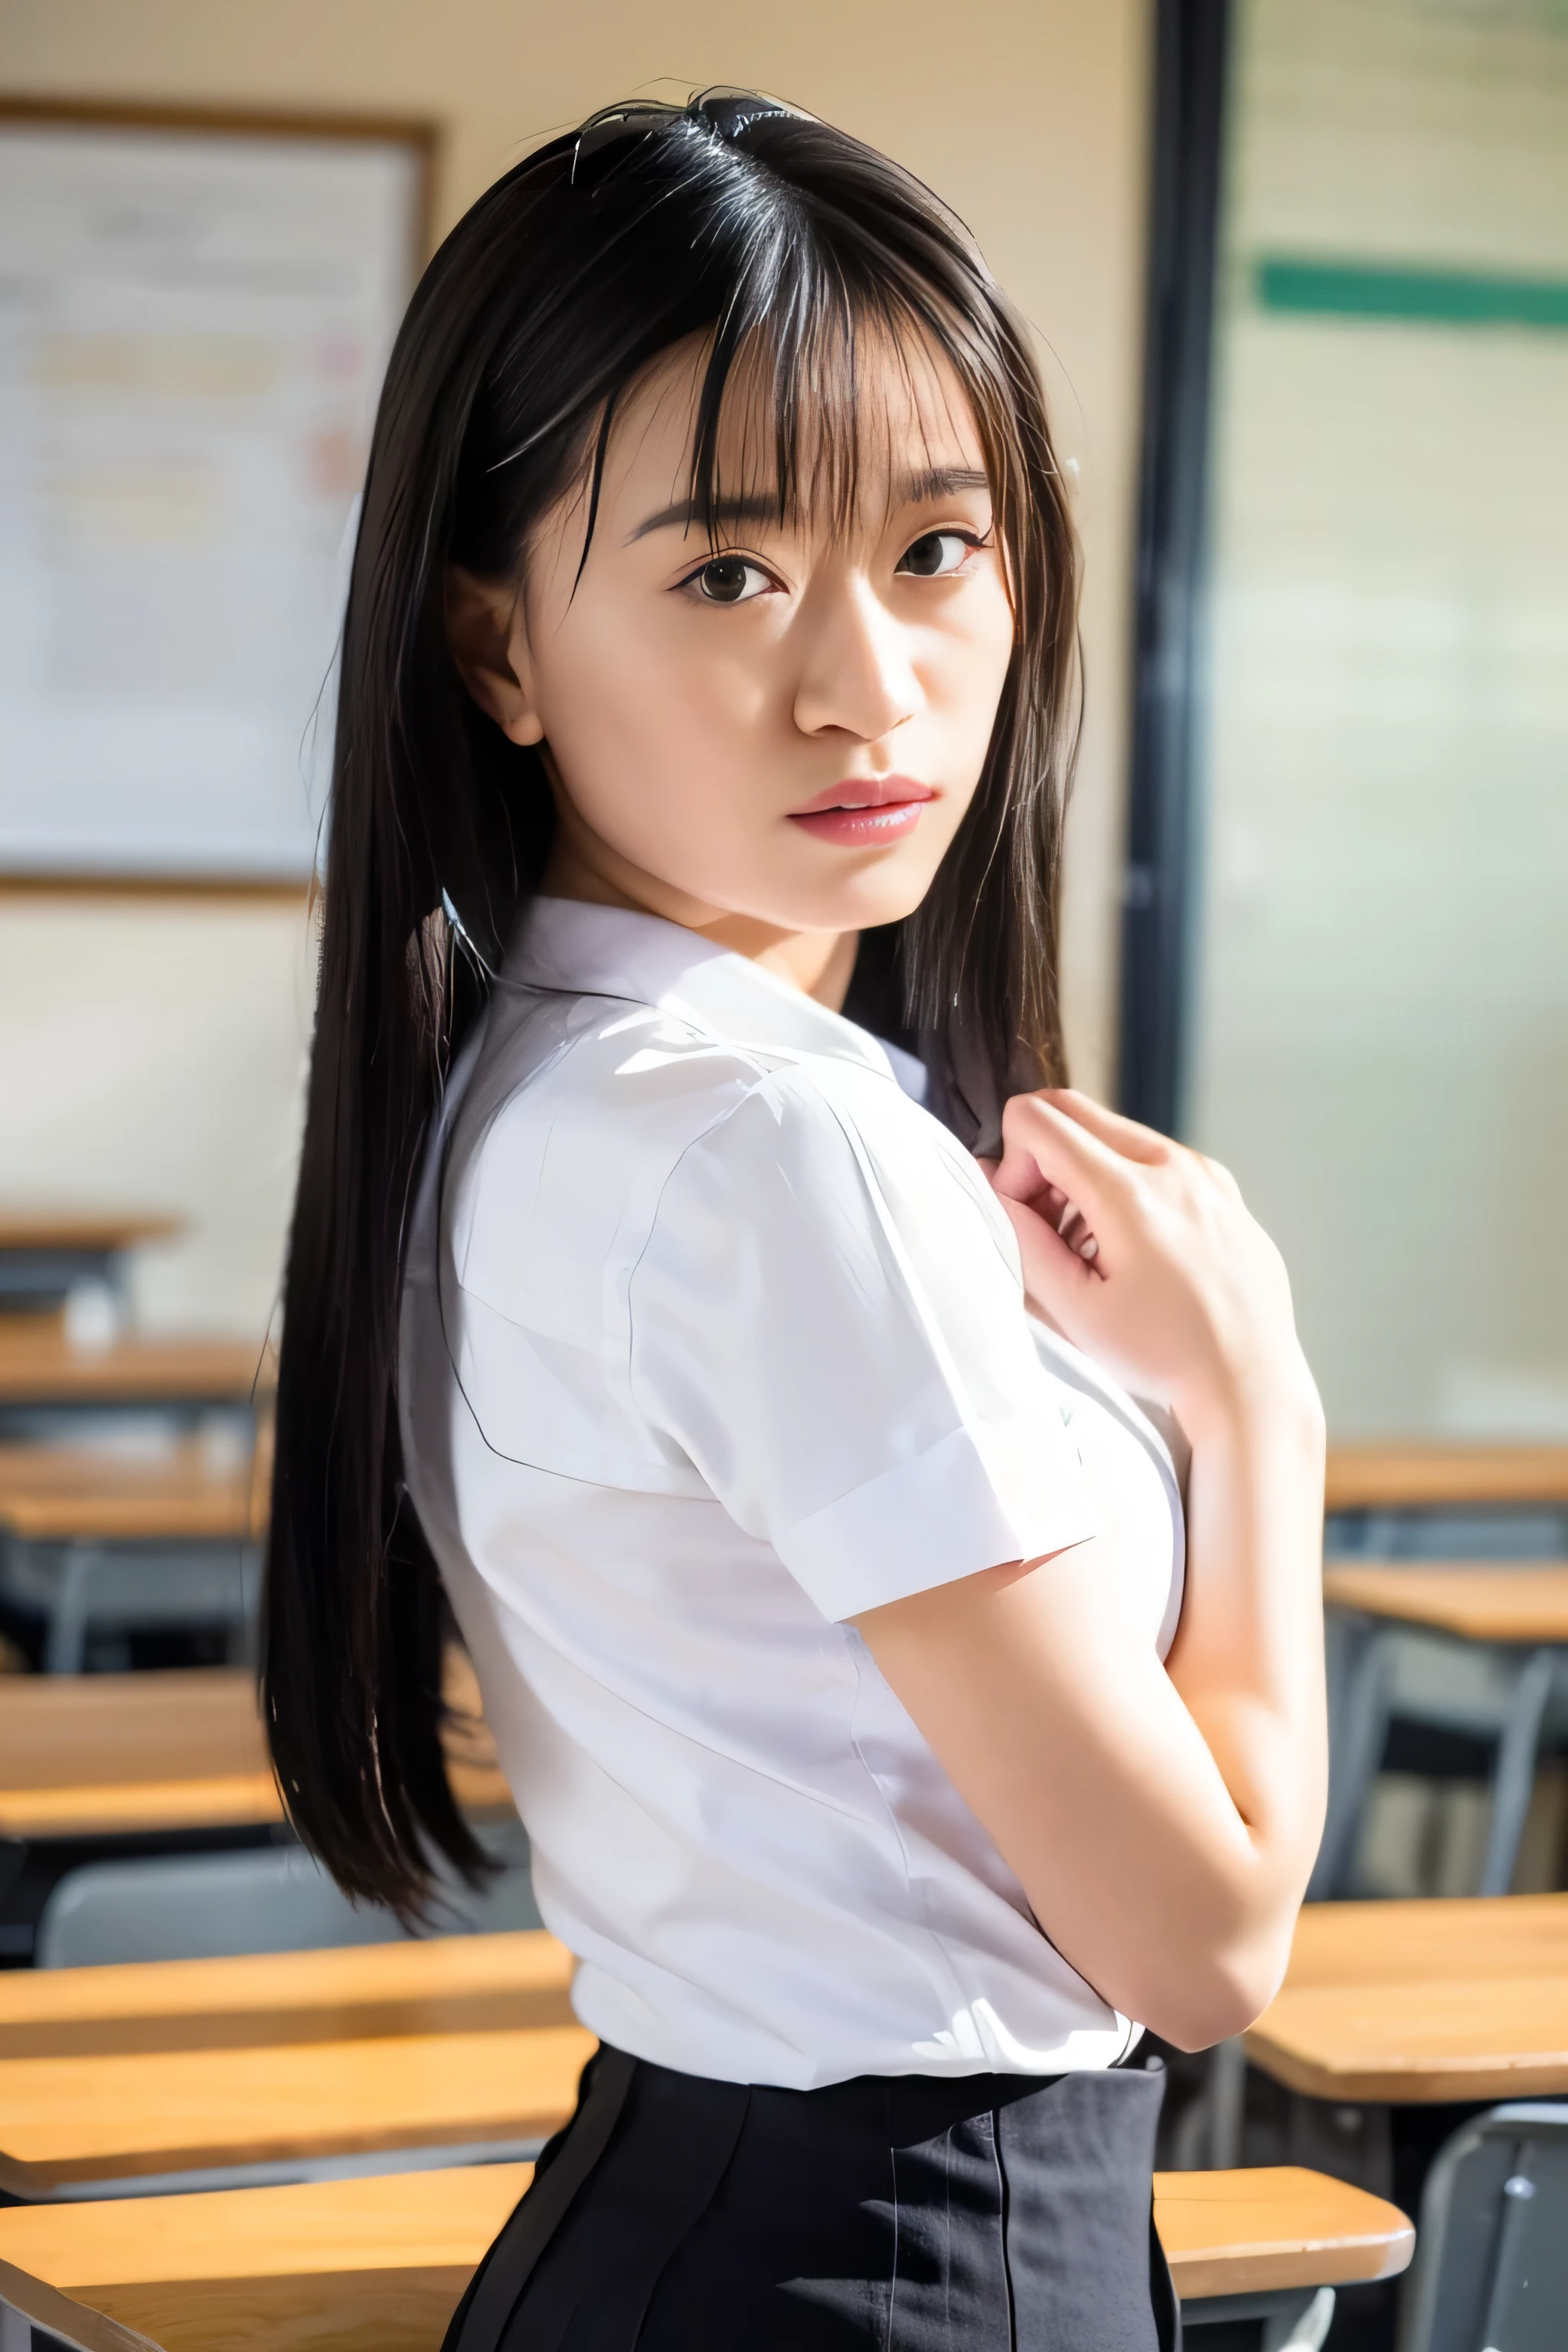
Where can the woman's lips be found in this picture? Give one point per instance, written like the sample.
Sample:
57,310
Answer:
864,813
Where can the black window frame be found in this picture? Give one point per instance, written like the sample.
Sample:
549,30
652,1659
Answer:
1192,49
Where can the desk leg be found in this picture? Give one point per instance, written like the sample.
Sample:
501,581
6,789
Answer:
65,1645
1515,1775
1361,1656
1288,2319
1308,2333
1227,2094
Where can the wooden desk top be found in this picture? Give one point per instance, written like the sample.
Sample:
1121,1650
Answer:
187,1491
447,1984
378,2265
1477,1600
90,1232
115,2117
39,1366
1476,1937
86,1755
1415,2039
1391,1476
1273,2226
1420,2001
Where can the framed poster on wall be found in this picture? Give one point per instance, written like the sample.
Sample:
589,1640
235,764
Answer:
196,312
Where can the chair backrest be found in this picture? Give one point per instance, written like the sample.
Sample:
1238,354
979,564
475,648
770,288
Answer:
1490,2273
275,1899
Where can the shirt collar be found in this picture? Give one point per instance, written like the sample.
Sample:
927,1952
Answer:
591,950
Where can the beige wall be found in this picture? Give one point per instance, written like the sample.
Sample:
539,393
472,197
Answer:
152,1052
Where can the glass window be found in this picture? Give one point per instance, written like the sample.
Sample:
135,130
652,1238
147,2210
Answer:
1380,1047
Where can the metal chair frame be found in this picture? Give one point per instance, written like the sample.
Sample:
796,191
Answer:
1363,1660
1522,2123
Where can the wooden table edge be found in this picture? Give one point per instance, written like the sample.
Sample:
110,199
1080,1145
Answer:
1417,1473
1425,2085
1364,2240
38,2179
1338,2262
227,1800
92,1232
62,2315
1457,1613
524,1962
1200,2272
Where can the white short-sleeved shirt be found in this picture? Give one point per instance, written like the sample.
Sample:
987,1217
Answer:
713,1337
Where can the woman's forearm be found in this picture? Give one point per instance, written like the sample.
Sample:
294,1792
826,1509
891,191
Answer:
1247,1659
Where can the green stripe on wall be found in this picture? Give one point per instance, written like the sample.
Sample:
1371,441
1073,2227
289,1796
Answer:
1389,291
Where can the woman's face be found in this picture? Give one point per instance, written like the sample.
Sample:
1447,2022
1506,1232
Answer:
788,731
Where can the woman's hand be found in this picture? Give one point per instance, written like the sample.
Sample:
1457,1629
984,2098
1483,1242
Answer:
1141,1252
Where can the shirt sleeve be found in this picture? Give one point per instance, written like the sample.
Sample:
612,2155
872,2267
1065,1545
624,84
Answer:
828,1318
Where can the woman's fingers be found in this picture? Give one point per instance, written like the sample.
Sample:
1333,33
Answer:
1056,1273
1127,1136
1043,1146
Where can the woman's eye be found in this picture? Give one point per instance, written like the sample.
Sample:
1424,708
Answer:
729,580
939,553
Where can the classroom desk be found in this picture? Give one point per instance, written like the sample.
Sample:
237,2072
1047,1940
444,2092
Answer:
1391,1477
88,1232
443,1984
378,2265
1473,1601
166,1535
93,1755
1475,1937
150,2115
39,1366
1414,2002
1519,1611
186,1492
43,1253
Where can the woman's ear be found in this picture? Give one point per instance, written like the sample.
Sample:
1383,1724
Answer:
488,637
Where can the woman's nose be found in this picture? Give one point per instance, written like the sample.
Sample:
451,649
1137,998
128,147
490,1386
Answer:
859,674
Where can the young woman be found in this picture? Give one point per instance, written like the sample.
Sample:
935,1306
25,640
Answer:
702,1286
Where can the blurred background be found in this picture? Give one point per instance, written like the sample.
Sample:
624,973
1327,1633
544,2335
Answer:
1299,275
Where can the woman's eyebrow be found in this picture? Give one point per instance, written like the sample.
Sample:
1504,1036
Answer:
727,512
924,488
938,482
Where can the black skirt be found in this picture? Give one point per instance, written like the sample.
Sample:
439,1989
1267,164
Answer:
909,2213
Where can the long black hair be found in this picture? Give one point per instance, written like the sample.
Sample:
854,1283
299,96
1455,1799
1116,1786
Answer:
779,240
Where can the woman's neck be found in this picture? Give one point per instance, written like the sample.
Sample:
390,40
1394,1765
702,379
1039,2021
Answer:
819,963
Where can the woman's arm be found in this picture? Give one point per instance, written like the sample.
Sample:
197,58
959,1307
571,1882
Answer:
1162,1818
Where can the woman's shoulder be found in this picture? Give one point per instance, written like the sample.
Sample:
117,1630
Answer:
588,1074
585,1117
579,1111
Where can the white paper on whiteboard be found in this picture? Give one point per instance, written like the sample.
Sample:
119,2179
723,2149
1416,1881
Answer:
193,331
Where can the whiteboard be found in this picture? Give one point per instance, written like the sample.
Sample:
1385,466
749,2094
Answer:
194,326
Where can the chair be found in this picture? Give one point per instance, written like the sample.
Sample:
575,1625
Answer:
1298,2323
1490,2273
210,1906
1378,1671
80,1587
